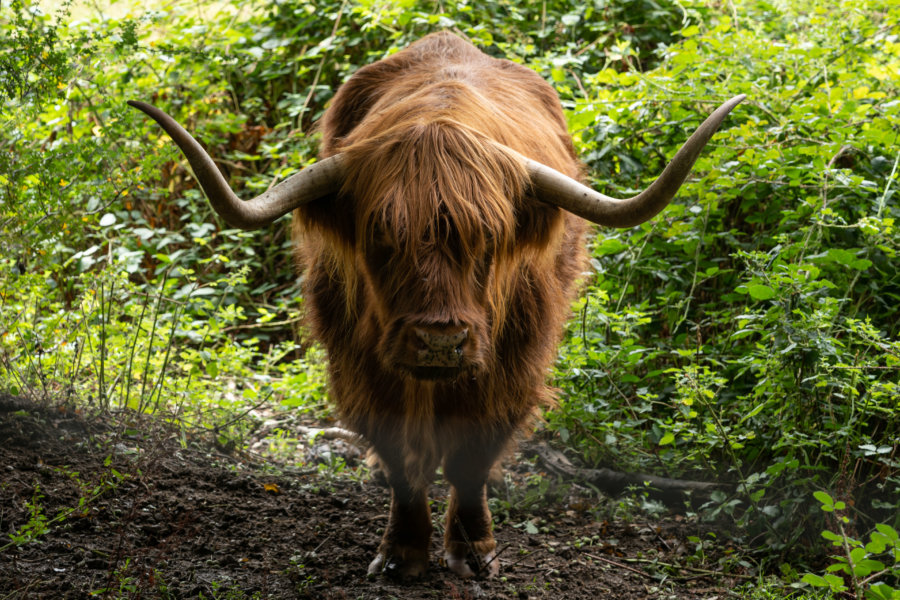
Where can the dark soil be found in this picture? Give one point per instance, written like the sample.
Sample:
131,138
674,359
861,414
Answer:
134,511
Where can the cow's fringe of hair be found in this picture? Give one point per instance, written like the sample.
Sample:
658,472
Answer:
456,177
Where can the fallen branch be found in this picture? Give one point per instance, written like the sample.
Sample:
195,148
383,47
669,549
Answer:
615,482
697,572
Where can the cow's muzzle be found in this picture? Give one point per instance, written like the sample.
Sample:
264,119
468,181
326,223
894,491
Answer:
435,351
440,346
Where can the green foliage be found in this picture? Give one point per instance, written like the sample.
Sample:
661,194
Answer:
167,349
36,525
749,334
32,61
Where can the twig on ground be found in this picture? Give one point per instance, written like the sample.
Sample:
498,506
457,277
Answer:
525,556
496,555
696,570
617,564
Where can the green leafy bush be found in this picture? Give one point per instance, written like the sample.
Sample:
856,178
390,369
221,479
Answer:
750,334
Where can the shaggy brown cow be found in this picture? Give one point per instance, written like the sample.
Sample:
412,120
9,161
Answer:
440,268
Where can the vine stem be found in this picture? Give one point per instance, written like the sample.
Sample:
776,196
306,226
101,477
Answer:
857,589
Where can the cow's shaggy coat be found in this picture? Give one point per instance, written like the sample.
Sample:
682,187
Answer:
435,224
439,268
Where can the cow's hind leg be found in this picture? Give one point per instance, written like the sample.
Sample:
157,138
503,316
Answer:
468,537
403,553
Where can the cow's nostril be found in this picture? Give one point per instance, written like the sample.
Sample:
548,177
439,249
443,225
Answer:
419,342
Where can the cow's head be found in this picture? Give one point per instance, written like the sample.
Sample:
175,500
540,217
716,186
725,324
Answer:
434,206
427,212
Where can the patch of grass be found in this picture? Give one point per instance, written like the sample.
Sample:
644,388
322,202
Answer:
39,524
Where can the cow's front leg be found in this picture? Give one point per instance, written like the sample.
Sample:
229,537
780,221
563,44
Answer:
403,553
468,538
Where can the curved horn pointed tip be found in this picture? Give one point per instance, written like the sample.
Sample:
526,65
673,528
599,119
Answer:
555,188
730,104
724,109
137,104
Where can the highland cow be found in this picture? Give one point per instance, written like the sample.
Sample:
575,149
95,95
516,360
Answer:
441,235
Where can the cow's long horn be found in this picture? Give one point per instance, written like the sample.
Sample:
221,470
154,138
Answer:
315,181
555,188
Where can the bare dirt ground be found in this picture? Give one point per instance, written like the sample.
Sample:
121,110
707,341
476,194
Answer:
104,508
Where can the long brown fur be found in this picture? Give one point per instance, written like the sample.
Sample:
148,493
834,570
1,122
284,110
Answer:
435,224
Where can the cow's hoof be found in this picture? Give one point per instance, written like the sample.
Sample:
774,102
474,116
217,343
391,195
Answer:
396,568
486,565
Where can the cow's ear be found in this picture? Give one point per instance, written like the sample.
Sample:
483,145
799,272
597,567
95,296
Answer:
355,98
331,216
